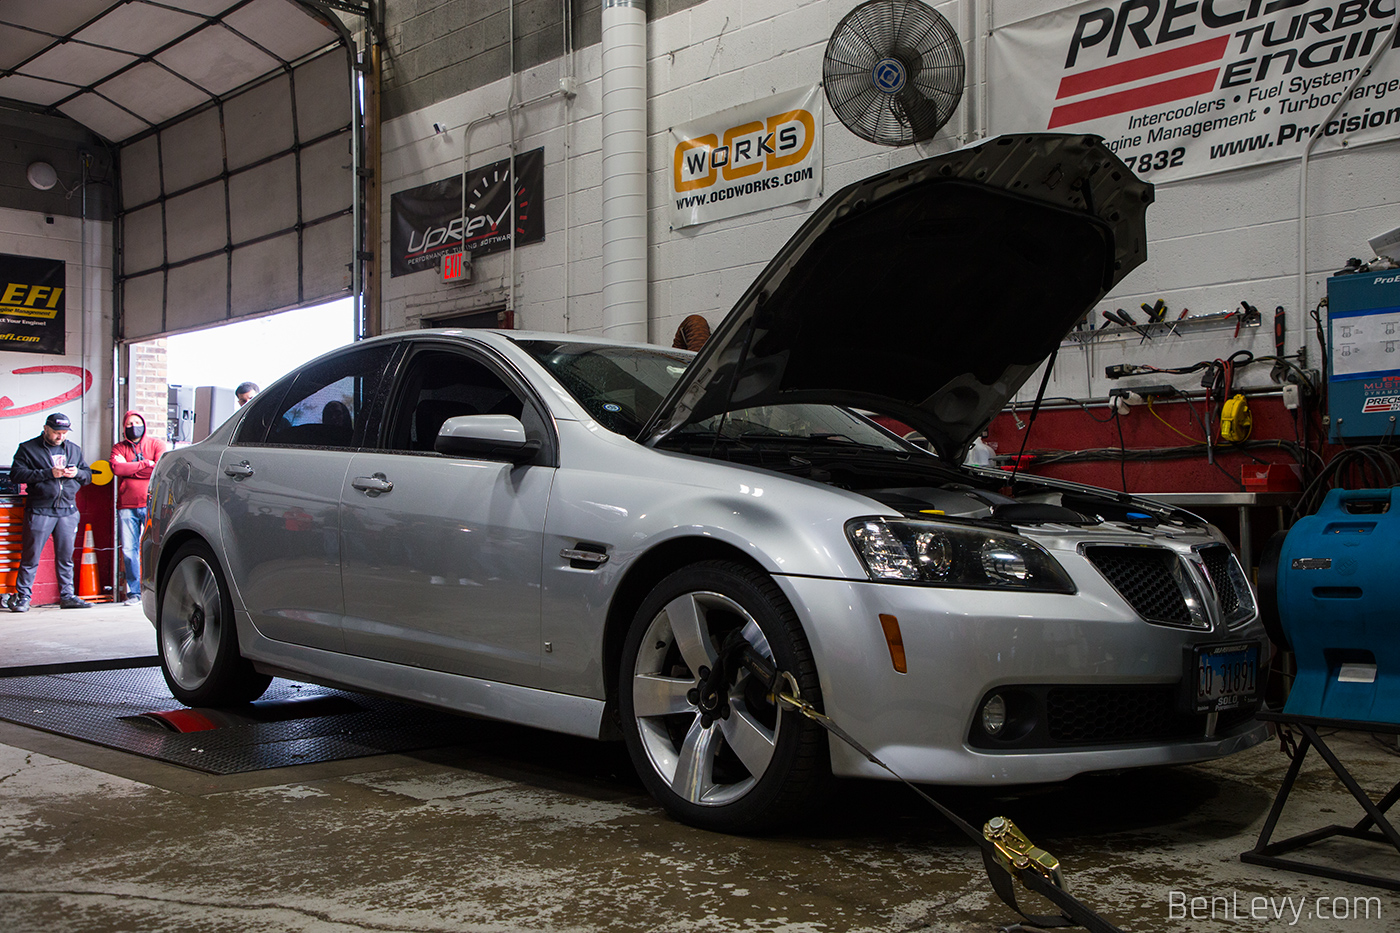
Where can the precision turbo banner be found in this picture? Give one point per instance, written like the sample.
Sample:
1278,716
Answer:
427,222
747,158
31,304
1183,88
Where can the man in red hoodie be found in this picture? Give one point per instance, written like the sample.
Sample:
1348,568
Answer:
133,461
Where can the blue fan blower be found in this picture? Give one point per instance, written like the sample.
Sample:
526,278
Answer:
1336,577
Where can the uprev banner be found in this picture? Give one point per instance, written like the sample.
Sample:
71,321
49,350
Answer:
747,158
32,304
1182,88
429,221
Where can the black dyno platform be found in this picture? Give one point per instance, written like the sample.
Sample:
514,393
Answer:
293,724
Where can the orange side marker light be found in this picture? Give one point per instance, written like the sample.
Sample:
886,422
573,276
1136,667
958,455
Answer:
895,639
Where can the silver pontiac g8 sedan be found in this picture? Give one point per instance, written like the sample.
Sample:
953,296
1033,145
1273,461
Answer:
576,534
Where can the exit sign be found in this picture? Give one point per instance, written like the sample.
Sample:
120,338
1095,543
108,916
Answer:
457,268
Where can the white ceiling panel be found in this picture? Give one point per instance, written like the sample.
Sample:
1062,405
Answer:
263,200
102,116
275,27
265,275
18,44
33,90
327,178
196,222
202,7
152,93
143,238
258,123
218,60
59,17
140,172
139,27
143,305
323,98
197,294
76,63
192,150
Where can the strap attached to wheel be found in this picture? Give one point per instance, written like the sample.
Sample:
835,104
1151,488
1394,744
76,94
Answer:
1006,851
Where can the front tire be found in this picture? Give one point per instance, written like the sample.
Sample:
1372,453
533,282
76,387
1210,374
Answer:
196,634
755,767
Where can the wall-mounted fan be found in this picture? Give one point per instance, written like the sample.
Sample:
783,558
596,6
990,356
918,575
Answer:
893,71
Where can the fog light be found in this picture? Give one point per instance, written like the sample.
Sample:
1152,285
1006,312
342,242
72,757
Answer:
993,714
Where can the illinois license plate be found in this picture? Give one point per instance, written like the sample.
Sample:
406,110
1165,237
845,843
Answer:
1226,676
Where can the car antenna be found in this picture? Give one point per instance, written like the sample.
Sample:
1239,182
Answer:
1035,410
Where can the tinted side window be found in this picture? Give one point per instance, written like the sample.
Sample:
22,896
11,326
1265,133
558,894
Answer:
440,384
261,411
326,404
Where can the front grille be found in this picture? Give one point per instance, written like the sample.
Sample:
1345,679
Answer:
1074,715
1153,582
1231,587
1098,715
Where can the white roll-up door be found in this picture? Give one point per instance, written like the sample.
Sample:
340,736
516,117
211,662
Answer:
243,207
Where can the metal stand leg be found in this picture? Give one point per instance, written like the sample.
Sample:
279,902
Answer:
1266,852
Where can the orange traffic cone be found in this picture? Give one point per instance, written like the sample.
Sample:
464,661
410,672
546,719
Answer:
88,584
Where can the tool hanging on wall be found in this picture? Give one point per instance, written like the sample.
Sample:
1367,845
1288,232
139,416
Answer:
1280,368
1248,316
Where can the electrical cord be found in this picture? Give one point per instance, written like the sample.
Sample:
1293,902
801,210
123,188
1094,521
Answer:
1122,450
1368,466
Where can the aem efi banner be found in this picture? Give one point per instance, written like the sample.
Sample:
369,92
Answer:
31,304
1182,88
428,221
747,158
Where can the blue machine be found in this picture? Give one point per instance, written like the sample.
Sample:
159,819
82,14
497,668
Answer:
1338,588
1363,366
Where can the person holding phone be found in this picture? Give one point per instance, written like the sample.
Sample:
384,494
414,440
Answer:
53,470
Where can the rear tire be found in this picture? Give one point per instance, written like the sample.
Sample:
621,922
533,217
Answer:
754,769
196,634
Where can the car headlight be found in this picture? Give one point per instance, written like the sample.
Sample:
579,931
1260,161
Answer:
935,554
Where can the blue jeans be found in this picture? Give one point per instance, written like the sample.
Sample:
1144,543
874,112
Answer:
131,521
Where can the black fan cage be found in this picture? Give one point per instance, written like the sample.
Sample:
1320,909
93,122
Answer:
893,71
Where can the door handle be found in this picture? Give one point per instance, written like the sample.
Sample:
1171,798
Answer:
239,470
374,485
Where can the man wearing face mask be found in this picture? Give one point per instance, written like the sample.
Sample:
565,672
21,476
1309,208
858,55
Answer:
133,461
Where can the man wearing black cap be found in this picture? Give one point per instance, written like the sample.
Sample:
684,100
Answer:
52,468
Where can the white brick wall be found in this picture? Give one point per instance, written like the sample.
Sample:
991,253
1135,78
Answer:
25,233
1214,240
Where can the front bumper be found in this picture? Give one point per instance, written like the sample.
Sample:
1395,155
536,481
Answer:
959,645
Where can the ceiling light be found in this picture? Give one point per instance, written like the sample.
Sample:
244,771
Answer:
42,176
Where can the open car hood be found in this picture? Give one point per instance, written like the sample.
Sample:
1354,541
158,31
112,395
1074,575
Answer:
928,293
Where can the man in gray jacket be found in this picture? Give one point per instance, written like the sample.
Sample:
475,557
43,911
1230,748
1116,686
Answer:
52,468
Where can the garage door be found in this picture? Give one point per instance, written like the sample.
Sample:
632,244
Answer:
235,124
243,207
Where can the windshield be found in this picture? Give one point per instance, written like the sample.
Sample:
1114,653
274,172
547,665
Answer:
621,388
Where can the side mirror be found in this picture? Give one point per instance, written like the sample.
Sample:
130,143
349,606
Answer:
486,437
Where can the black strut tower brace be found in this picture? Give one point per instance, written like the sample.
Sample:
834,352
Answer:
1010,856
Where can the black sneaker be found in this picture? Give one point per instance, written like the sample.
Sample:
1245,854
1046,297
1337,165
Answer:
15,604
72,602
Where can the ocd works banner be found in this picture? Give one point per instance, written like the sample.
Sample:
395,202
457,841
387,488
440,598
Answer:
1182,88
747,158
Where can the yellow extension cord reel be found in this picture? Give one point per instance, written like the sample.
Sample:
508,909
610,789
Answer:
1236,420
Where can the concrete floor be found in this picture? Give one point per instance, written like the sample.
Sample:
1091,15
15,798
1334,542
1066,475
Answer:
523,830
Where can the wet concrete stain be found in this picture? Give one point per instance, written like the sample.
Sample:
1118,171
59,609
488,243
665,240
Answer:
522,830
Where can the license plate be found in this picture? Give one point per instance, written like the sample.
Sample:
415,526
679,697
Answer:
1226,676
